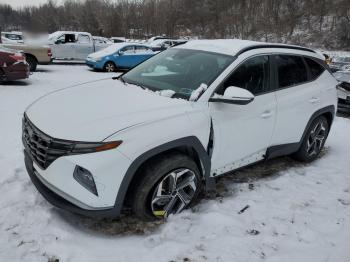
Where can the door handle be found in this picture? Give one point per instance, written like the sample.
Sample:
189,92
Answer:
314,100
267,114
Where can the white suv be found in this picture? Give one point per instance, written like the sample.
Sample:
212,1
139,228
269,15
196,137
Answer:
152,138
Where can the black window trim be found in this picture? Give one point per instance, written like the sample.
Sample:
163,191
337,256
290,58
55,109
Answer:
309,70
276,84
271,75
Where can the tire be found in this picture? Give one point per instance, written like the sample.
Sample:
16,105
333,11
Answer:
151,197
32,62
313,141
109,67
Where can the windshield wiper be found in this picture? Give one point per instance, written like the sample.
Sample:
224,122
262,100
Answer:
144,88
120,77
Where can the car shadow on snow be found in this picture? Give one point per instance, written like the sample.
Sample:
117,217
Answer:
42,70
15,83
225,187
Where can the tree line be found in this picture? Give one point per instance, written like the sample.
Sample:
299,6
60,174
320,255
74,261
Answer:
314,23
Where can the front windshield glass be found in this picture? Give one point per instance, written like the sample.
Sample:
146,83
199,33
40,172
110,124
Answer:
179,70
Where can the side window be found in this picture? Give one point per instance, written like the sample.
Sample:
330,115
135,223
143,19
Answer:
252,75
141,49
128,49
83,39
68,38
291,70
315,68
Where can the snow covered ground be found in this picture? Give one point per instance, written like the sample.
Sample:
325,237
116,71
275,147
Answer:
289,211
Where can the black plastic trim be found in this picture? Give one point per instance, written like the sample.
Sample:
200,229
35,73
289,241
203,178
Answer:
231,101
190,141
287,149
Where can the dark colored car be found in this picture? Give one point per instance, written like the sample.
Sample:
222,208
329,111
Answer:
339,63
343,91
13,65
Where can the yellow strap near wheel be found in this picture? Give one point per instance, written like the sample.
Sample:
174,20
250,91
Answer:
159,213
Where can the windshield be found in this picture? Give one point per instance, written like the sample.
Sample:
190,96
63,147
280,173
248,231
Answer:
179,70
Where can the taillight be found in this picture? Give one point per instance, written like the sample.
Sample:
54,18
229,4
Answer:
49,52
18,57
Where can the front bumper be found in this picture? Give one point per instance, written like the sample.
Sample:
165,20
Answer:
94,64
57,185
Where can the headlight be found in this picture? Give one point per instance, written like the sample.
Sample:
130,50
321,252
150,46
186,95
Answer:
87,147
98,59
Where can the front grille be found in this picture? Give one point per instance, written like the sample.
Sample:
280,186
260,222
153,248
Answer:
42,148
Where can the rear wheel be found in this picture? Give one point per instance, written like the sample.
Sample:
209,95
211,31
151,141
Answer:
109,67
314,140
169,185
32,62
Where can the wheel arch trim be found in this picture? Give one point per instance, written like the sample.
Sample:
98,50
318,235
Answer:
287,149
190,141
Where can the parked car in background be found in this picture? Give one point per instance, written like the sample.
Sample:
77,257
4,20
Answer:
339,63
74,45
152,139
118,39
102,41
119,56
162,44
12,37
343,91
150,40
35,54
12,65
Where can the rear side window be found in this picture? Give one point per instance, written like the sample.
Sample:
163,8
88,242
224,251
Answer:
315,68
291,70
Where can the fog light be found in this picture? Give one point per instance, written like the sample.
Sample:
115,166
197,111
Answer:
85,178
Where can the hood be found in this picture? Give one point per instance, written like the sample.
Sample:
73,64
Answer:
101,53
110,50
94,111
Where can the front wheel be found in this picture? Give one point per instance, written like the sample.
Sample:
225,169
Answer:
169,185
109,67
314,140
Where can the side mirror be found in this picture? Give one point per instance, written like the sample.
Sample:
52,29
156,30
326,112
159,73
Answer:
234,95
57,42
120,52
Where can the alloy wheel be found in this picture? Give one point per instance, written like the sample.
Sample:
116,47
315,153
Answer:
110,67
316,139
174,192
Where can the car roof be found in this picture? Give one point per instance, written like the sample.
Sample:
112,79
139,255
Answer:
235,47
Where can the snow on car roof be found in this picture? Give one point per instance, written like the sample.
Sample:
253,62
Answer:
233,46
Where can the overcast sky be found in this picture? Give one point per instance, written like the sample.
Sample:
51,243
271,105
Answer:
20,3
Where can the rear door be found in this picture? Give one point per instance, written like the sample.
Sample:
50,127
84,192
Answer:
126,57
142,53
298,97
84,46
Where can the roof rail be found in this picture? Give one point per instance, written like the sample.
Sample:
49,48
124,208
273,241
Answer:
246,49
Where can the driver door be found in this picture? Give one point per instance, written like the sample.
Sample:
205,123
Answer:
242,133
64,47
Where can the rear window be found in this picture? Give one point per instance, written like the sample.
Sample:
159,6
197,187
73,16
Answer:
315,68
291,70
